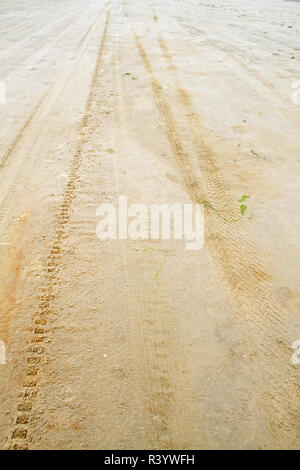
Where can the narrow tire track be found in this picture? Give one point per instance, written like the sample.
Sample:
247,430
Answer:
20,436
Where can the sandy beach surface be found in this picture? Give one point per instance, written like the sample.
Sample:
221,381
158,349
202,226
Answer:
142,344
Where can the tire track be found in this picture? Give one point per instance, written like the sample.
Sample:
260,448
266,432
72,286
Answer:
51,95
20,436
159,356
265,327
91,27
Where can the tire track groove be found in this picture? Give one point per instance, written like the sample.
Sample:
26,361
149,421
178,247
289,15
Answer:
20,436
266,327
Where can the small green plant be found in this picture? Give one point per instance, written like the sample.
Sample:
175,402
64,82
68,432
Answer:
243,198
161,264
210,206
110,151
134,78
127,73
254,153
243,208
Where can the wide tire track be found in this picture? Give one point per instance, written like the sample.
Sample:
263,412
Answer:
265,327
20,436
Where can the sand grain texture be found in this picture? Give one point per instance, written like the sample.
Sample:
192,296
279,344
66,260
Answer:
124,344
